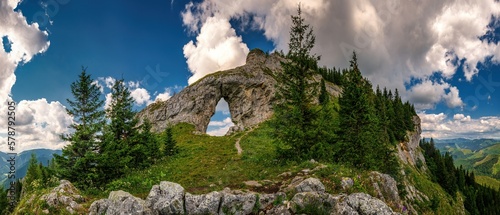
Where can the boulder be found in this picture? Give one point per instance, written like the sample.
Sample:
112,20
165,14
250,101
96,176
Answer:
203,204
119,202
65,195
166,198
366,204
346,183
310,185
238,204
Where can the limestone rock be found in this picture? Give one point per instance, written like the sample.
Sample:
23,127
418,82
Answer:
386,187
408,151
366,204
320,200
310,185
249,91
64,196
119,202
346,183
238,204
267,201
203,204
166,198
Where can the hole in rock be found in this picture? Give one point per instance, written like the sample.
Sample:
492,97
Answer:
221,120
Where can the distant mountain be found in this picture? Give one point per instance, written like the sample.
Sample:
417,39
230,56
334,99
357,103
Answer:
22,161
480,155
474,144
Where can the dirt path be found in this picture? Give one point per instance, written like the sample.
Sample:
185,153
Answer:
237,144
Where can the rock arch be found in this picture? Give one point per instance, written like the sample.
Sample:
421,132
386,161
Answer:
249,91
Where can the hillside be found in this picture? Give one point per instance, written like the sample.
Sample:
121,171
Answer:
481,155
206,163
22,161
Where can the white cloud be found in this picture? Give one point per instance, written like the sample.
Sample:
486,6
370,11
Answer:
460,126
39,124
427,94
396,41
26,41
219,128
107,101
452,99
217,48
141,96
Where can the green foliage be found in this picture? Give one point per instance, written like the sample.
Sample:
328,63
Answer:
294,114
363,135
77,162
479,199
151,142
169,143
120,137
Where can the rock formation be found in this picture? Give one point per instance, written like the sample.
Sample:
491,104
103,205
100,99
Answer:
170,198
249,91
409,151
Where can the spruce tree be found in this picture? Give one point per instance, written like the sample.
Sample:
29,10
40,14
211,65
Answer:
294,113
120,149
170,145
362,141
151,142
78,160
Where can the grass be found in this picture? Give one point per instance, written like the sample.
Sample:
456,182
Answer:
488,181
206,163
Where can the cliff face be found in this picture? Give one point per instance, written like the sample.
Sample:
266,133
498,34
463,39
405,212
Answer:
249,91
409,151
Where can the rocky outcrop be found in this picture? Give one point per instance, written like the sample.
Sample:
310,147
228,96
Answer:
249,91
409,151
118,203
309,197
66,196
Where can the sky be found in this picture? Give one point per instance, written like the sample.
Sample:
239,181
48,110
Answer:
443,56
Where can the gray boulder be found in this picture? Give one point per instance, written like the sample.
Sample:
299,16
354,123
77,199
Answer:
166,198
238,204
118,203
203,204
366,204
310,185
65,195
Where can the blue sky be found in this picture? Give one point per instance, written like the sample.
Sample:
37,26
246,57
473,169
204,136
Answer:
443,58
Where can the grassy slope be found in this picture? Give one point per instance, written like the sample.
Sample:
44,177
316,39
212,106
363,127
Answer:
488,181
207,163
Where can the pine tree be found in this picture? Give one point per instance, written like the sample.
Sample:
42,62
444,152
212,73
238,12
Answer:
361,140
120,136
151,141
77,162
294,114
170,145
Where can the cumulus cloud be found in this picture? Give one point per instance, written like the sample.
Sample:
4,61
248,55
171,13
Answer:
217,48
140,95
441,126
396,41
219,128
427,94
26,41
222,107
39,124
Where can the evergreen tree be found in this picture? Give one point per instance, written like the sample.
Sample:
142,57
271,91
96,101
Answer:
170,145
120,137
77,162
4,201
294,114
152,144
